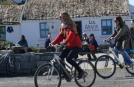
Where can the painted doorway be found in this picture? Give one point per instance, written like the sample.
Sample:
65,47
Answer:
79,28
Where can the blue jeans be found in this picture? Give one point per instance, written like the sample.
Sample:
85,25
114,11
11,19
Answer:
124,54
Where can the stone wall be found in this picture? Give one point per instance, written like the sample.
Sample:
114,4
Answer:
29,62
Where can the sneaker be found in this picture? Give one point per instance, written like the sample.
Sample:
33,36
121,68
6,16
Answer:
121,66
80,75
130,66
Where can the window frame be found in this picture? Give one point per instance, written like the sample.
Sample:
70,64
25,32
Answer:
44,29
106,27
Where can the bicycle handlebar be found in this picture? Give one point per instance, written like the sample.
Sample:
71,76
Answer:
109,41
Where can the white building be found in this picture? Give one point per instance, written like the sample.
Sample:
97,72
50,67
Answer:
41,18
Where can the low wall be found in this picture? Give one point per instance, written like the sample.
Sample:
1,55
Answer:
29,62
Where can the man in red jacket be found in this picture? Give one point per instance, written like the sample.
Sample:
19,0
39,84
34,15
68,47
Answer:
69,36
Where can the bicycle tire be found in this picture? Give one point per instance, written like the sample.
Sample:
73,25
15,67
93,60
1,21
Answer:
13,67
42,73
130,70
105,66
90,74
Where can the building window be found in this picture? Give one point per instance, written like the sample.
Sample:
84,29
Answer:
106,26
3,33
44,30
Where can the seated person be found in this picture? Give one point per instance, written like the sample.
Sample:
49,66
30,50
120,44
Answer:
93,45
86,49
23,42
47,42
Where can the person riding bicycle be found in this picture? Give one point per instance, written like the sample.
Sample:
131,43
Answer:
69,36
122,39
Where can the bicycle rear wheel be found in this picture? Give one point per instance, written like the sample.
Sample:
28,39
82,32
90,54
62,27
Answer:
13,67
89,75
105,66
47,76
131,69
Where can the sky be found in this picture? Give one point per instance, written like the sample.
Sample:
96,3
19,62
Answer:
131,2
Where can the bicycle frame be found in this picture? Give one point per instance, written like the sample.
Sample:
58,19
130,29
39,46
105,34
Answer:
4,57
58,60
112,51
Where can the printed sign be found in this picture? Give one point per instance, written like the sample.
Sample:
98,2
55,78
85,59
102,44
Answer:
92,25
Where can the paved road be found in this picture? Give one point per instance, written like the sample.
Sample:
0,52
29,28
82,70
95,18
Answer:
120,79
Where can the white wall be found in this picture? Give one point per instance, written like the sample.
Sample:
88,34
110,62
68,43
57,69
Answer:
30,29
13,36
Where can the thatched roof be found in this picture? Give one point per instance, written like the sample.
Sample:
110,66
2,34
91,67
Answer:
50,9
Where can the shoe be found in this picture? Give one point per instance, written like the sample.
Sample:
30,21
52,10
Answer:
121,66
130,66
80,75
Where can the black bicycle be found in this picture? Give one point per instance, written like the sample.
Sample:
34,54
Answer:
49,75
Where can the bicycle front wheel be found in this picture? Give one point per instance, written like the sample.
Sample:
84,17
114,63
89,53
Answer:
105,66
47,76
89,74
13,67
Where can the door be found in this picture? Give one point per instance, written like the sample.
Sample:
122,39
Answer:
79,28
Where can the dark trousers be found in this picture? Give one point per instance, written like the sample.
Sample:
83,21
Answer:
86,49
69,54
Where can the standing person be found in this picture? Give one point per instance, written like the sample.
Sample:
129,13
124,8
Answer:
123,40
94,44
47,42
69,33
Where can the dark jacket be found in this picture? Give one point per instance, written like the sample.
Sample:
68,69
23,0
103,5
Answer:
47,43
93,42
122,38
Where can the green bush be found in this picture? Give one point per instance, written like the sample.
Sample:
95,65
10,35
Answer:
6,43
33,48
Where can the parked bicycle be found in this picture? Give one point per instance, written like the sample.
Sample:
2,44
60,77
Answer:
12,65
49,75
105,65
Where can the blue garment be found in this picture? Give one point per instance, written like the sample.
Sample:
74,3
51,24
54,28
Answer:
124,54
23,43
94,42
10,29
47,43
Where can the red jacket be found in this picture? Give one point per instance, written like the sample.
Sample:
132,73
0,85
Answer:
70,37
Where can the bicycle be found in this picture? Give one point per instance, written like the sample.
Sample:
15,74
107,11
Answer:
12,65
51,73
105,65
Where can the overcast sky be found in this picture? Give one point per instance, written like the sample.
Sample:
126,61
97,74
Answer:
131,2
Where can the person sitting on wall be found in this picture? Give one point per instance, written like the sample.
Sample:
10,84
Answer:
23,43
47,42
93,45
85,48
